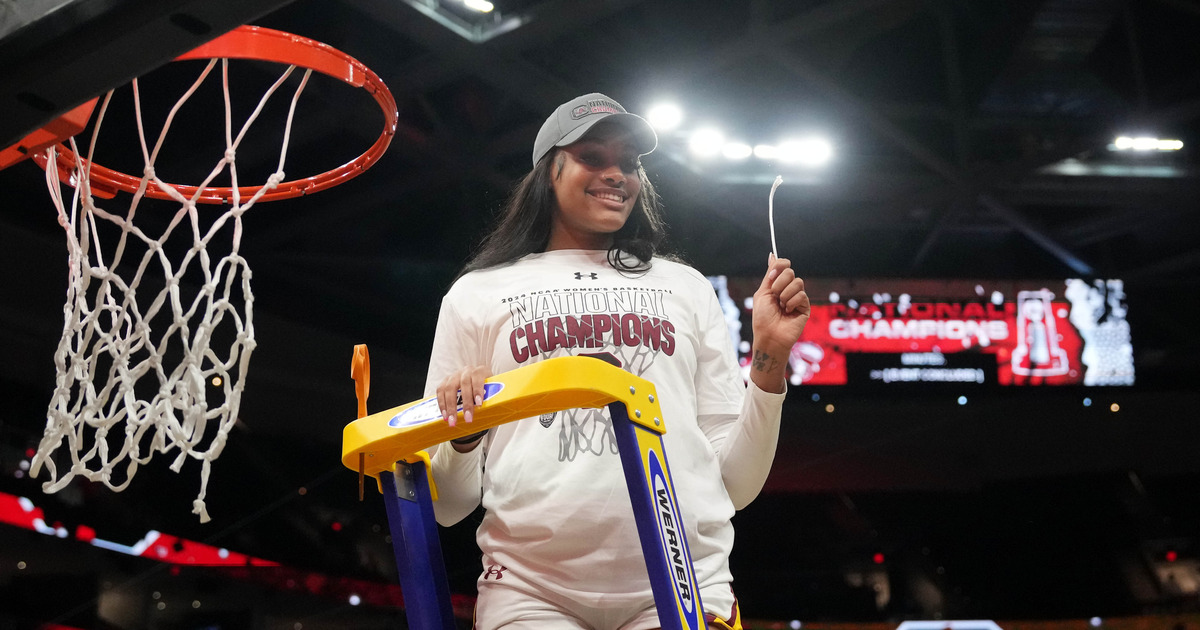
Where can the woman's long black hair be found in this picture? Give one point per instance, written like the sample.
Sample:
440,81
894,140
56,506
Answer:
523,227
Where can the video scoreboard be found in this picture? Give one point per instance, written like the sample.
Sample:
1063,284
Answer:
1011,333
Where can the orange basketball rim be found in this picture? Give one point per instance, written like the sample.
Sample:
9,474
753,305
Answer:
244,42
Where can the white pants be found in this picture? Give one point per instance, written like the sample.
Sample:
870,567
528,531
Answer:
509,602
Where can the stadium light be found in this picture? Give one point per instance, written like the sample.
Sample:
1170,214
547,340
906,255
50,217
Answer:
706,142
482,6
810,152
1144,144
766,152
665,116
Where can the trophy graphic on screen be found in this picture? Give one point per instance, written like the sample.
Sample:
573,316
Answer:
1038,352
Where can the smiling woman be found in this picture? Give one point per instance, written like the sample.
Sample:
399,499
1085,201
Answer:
528,217
576,267
595,184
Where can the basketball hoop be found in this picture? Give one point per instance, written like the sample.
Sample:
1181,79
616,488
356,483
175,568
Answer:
133,376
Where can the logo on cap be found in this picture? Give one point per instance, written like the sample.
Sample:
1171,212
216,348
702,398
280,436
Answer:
598,106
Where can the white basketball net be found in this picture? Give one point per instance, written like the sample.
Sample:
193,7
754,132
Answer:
125,390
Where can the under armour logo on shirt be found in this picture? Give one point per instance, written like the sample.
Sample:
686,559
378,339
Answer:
495,571
580,276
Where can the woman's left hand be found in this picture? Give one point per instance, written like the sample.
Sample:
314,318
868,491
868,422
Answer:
781,309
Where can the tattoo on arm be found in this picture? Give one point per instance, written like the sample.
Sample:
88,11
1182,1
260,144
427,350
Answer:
764,362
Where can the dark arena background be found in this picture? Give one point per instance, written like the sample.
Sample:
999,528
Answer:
992,418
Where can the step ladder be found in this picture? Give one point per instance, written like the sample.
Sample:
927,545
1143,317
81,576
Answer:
389,446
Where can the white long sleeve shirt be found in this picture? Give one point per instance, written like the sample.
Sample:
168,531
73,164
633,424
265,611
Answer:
557,507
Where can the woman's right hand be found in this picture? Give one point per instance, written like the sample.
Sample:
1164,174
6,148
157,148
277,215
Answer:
469,381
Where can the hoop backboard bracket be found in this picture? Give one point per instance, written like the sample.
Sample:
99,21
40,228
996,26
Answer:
57,130
62,56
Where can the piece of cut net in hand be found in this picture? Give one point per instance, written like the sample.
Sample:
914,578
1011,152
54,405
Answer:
158,323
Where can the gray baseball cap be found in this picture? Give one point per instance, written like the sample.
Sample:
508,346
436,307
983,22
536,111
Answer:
571,120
